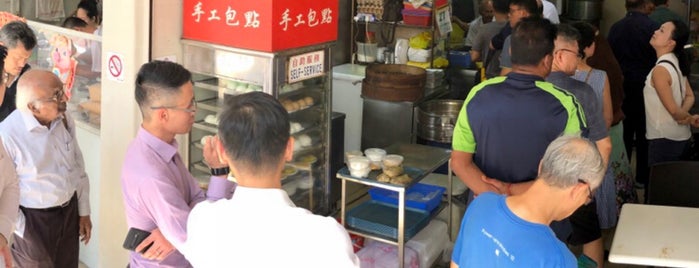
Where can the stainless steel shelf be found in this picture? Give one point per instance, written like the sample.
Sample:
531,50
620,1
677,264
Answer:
424,158
205,126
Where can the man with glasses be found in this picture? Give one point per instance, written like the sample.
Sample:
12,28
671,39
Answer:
19,40
585,221
54,212
158,189
513,231
500,44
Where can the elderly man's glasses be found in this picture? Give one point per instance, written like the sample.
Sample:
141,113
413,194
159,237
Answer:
571,51
590,193
192,108
57,97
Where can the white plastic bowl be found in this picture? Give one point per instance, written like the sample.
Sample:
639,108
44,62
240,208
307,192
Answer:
375,155
358,163
360,173
392,160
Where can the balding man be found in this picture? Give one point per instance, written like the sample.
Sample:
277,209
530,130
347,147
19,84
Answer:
54,189
513,231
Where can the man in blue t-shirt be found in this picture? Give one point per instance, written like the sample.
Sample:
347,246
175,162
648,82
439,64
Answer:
501,231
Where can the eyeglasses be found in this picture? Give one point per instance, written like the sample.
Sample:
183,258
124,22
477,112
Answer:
590,193
192,108
571,51
57,97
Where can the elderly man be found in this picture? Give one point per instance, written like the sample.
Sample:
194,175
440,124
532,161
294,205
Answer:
19,40
586,228
54,189
512,231
260,219
485,9
481,39
158,190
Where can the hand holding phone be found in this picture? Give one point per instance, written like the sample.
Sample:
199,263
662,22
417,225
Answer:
134,238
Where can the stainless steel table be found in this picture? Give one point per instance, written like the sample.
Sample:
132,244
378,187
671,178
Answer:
424,158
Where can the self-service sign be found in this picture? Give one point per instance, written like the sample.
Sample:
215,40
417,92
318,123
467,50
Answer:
263,25
305,66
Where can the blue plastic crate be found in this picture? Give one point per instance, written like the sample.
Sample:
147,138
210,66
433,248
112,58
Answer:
382,219
420,196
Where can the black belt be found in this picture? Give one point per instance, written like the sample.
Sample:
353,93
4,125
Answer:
61,206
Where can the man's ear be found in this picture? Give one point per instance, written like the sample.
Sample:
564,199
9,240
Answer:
289,153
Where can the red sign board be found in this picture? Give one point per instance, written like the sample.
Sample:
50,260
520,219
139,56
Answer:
263,25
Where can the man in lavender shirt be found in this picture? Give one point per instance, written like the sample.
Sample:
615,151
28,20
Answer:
158,190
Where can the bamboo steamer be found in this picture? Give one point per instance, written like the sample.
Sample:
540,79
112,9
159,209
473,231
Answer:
394,82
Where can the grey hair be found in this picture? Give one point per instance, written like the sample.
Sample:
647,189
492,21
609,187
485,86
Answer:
569,159
25,95
15,33
568,33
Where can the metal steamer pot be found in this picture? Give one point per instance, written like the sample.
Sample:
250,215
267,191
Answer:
436,119
586,10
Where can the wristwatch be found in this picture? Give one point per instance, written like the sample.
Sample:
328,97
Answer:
220,171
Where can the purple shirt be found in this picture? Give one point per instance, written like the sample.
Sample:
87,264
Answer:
159,192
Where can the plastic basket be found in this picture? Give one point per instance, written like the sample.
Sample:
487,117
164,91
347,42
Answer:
382,219
420,196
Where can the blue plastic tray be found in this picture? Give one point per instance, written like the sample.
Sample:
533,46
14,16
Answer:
382,219
420,196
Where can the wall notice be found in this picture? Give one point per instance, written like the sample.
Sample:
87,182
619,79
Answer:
305,66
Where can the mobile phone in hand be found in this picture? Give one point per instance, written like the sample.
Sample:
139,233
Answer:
134,238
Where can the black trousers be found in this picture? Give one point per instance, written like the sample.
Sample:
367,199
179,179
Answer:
635,127
51,237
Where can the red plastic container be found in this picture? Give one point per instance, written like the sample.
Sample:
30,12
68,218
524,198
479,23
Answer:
410,18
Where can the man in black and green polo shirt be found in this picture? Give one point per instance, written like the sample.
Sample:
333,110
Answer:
507,122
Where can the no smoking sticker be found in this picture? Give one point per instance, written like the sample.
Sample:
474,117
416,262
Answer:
115,67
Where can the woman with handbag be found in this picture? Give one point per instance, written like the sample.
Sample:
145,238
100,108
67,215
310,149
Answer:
668,96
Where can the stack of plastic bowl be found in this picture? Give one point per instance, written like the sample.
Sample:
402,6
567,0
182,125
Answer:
358,166
392,160
375,155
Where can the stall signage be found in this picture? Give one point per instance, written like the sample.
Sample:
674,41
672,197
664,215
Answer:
304,66
263,25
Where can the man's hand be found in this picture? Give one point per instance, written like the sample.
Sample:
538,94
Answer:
495,185
211,156
5,252
85,229
160,249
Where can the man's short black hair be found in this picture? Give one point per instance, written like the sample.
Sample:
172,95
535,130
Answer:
636,4
532,40
501,6
3,55
159,78
659,2
15,33
73,23
528,5
254,130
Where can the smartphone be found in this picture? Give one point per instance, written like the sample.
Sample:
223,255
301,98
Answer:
134,238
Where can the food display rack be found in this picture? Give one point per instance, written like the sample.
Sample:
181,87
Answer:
299,78
423,158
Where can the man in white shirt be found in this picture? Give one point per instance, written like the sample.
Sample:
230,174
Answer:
54,188
486,15
260,226
550,12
